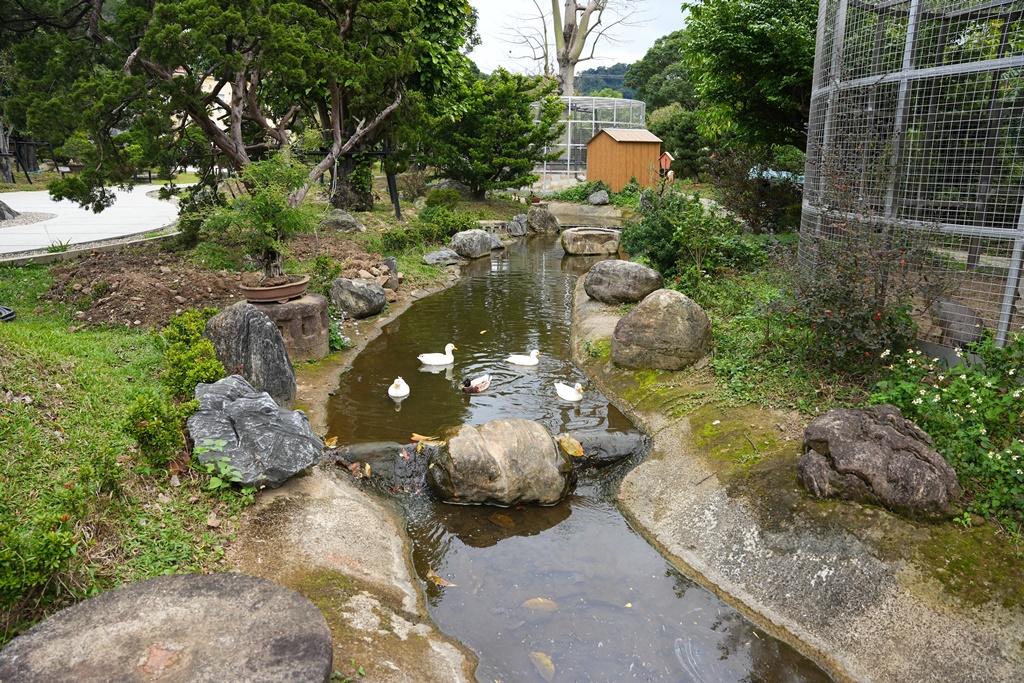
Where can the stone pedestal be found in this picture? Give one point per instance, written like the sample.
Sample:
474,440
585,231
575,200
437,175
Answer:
304,324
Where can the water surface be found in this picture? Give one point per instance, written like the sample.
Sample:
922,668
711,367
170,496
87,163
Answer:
572,583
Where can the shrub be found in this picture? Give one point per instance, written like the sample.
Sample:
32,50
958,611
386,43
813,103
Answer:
157,425
444,197
764,199
189,357
972,411
412,184
579,194
324,271
435,225
32,550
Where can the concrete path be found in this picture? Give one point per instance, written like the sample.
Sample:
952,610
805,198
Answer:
133,213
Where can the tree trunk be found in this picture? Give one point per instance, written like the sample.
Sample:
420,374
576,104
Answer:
6,165
345,195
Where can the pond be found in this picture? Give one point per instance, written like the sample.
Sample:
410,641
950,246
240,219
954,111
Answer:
571,588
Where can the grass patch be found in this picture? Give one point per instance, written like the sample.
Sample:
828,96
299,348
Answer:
79,512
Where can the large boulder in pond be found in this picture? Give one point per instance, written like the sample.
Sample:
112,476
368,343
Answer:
247,342
472,243
621,282
266,444
666,331
517,226
359,298
503,462
541,220
875,455
584,241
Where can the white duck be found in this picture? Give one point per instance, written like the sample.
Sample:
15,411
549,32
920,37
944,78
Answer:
524,360
445,358
567,393
398,389
477,385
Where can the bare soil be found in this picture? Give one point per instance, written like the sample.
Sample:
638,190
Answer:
145,286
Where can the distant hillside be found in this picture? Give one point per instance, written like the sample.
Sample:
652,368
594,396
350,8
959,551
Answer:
592,80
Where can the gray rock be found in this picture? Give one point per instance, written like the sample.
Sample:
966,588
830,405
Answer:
247,342
185,628
602,449
472,243
496,242
587,241
877,456
441,257
666,331
449,184
393,466
267,444
392,263
599,198
359,298
7,213
517,226
502,462
541,220
343,221
961,325
621,282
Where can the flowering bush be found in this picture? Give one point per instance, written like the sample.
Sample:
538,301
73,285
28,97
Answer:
975,415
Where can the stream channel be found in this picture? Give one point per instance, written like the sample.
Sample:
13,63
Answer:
613,608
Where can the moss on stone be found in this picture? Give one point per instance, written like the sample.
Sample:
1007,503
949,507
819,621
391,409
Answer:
977,564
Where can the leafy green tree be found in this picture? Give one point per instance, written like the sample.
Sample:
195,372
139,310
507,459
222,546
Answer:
497,142
680,131
604,78
662,77
752,63
247,75
606,92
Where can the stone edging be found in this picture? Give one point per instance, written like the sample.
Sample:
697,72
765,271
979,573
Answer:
832,579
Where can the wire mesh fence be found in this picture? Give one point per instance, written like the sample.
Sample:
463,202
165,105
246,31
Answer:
583,118
917,115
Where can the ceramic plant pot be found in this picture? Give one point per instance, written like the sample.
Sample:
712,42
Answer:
277,293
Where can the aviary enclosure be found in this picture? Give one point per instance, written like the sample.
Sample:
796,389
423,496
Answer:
915,138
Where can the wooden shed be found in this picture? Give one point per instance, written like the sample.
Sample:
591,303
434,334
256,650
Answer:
615,155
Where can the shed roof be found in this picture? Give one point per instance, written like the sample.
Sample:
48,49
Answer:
628,135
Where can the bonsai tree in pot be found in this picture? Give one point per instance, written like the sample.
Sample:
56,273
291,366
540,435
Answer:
265,217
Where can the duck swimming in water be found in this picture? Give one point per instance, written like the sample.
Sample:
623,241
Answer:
524,360
445,358
398,389
567,393
477,385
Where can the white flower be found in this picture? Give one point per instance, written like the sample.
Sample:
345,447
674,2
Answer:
963,376
988,385
983,431
922,392
942,377
1011,371
936,399
973,411
1016,394
884,354
916,401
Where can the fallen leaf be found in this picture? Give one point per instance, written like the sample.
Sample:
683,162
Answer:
367,470
483,331
212,521
353,468
432,575
331,442
541,604
629,604
420,437
545,667
405,454
502,520
570,445
174,481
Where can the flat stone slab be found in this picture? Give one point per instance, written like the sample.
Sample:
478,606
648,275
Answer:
186,628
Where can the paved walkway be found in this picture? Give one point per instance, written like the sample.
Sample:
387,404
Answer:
133,213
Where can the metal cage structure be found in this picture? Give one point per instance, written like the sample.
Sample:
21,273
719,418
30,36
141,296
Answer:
583,118
916,126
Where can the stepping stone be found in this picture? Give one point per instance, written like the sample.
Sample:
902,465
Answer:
187,628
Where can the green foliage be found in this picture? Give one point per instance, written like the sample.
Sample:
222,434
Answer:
412,185
628,196
580,192
337,339
752,65
680,130
449,198
972,411
189,357
157,425
496,143
597,82
325,269
662,77
677,234
32,551
750,185
435,225
857,296
264,218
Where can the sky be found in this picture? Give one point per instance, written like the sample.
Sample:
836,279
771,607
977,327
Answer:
499,19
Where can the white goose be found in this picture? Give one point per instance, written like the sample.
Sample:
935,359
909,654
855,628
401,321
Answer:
567,393
398,389
524,360
445,358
